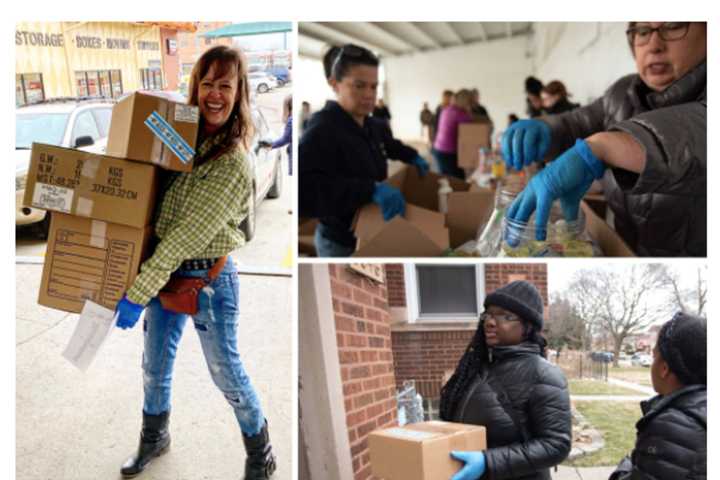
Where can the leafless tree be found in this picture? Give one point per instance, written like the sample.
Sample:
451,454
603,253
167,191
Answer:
565,327
689,297
617,301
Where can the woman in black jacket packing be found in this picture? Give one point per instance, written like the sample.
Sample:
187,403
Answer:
672,434
504,383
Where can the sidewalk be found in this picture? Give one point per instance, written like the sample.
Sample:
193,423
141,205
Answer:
580,473
81,426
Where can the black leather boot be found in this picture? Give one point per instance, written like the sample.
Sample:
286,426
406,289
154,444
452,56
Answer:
260,461
154,441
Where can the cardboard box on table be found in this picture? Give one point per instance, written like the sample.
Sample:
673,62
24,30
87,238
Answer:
141,121
421,232
421,451
89,259
472,137
90,185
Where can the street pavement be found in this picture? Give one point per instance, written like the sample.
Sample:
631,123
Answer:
81,426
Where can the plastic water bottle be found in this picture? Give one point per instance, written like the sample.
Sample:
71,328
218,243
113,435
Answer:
443,192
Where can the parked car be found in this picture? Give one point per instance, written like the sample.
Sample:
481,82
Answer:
267,170
641,360
604,357
67,122
281,73
261,82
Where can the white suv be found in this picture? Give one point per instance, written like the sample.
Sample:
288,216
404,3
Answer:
67,122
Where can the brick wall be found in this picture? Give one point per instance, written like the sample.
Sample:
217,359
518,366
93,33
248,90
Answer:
395,284
366,359
425,356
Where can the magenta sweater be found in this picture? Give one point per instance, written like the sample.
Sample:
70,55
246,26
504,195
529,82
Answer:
446,139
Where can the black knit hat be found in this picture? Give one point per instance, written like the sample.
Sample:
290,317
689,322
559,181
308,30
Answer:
533,85
683,345
521,298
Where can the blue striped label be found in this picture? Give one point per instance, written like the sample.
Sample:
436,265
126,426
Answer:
171,138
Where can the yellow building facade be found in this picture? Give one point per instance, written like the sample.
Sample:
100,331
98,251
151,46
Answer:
61,59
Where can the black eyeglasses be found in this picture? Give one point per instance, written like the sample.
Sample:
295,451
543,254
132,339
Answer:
669,31
498,317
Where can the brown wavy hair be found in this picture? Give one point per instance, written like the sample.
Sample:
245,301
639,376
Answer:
239,125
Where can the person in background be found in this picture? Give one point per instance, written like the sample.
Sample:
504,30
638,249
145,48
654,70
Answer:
646,138
381,110
446,140
533,100
286,138
197,228
504,382
426,121
555,98
445,101
305,113
512,118
672,433
344,154
479,112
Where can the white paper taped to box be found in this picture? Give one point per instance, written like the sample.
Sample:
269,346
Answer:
93,328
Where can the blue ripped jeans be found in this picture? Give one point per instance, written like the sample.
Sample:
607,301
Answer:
216,325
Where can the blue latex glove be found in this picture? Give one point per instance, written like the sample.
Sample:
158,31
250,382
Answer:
390,199
568,178
422,165
474,465
128,313
525,142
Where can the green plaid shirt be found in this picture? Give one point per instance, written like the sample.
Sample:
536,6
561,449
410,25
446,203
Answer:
198,217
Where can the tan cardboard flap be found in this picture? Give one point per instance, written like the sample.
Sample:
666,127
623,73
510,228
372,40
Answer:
611,244
399,239
431,224
472,136
423,191
466,212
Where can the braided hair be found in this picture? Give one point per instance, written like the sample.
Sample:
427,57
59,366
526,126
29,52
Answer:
476,359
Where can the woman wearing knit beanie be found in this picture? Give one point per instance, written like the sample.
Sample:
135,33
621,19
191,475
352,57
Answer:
672,434
504,383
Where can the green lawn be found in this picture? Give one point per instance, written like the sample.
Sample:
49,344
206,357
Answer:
616,422
597,387
639,375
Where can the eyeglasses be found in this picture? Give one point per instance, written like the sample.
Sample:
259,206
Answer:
498,317
669,31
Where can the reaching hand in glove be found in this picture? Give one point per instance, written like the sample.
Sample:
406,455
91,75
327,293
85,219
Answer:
390,199
422,165
128,313
568,178
474,465
525,142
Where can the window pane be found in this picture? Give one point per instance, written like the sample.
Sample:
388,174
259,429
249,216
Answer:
85,126
116,79
102,118
105,84
33,87
81,86
92,84
447,290
19,96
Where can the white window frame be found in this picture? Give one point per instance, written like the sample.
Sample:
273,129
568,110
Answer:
412,294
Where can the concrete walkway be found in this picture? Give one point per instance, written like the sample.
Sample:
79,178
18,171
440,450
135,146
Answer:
578,473
81,426
632,386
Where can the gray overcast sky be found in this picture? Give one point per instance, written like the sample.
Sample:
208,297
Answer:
269,41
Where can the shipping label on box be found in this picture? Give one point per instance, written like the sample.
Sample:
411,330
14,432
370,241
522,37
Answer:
153,129
89,185
421,451
90,260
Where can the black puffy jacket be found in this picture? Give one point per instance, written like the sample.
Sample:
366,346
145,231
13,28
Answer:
661,211
671,438
519,380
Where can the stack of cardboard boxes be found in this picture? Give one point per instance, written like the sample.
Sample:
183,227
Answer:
102,205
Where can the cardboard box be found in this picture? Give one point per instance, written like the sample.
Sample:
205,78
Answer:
152,129
423,231
89,185
421,451
90,259
611,244
471,137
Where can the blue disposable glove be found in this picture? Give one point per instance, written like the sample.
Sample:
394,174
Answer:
474,465
128,313
568,178
390,199
422,165
525,142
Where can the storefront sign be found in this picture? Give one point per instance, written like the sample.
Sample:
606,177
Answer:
148,46
41,39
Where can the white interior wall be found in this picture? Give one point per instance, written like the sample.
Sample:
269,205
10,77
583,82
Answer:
497,68
587,57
